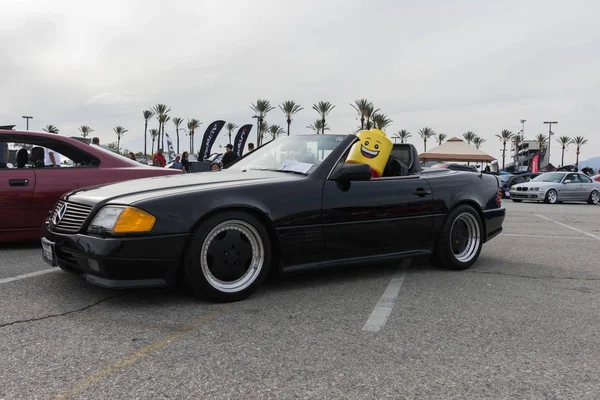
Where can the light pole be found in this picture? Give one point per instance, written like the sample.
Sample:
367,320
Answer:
259,120
27,118
549,135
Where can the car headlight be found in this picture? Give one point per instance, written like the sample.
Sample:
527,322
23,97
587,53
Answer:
120,219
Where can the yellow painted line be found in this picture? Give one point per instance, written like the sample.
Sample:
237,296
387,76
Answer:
89,381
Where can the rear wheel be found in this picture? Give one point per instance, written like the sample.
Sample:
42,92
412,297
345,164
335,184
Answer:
228,258
594,197
551,197
460,239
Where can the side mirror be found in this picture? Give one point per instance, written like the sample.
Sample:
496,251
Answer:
352,172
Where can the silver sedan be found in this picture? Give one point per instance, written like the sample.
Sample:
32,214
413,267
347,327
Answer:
554,187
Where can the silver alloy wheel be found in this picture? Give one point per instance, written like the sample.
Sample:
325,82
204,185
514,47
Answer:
552,196
257,257
595,197
465,229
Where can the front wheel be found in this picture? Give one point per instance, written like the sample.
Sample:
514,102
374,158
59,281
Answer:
460,240
228,258
551,197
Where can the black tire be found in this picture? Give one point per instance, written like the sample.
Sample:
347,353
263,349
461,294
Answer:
594,197
551,197
444,255
246,247
517,200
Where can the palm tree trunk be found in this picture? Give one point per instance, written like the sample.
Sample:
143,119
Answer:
503,155
163,137
177,129
562,158
425,144
145,137
118,144
362,123
152,149
323,127
289,121
577,159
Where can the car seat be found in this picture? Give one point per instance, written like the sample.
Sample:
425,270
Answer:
395,167
22,158
37,157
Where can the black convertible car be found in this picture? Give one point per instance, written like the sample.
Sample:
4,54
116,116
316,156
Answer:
292,204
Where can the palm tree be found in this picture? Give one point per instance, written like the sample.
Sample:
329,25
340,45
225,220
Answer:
364,108
161,110
120,131
441,137
147,115
425,134
477,141
192,125
381,121
371,111
317,126
402,135
230,126
177,121
469,136
323,108
564,141
275,131
505,136
85,130
261,108
578,141
289,108
51,129
153,135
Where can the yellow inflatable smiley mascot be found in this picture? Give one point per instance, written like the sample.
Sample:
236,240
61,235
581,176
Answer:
374,149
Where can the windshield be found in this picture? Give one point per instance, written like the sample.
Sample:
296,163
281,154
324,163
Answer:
549,177
115,154
300,154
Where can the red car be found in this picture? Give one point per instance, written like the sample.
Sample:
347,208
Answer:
29,191
596,178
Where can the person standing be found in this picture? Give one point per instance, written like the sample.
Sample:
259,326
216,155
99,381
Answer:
229,156
177,164
4,154
158,160
96,141
250,147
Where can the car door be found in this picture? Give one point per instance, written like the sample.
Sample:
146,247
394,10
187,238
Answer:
569,187
586,185
378,216
51,183
16,191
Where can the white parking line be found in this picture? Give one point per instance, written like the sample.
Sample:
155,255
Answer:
546,236
386,303
570,227
25,276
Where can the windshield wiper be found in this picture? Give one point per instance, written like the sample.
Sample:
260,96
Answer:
278,170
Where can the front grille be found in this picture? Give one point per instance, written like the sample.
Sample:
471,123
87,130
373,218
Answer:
72,218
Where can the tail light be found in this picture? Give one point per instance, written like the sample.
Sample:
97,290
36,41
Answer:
499,197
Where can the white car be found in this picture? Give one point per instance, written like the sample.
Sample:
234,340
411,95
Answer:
554,187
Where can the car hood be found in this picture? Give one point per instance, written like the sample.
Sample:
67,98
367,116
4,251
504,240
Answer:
129,191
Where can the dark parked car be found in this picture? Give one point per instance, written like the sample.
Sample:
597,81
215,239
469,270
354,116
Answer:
29,191
292,204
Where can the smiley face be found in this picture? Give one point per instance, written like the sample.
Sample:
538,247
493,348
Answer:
370,149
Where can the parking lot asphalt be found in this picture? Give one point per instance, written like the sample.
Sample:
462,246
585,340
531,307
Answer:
523,322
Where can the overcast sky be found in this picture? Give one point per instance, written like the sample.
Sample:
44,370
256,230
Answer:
453,66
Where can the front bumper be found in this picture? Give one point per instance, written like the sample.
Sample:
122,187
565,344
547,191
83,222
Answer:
527,195
119,263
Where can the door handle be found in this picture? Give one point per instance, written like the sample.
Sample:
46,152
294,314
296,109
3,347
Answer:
421,192
18,182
